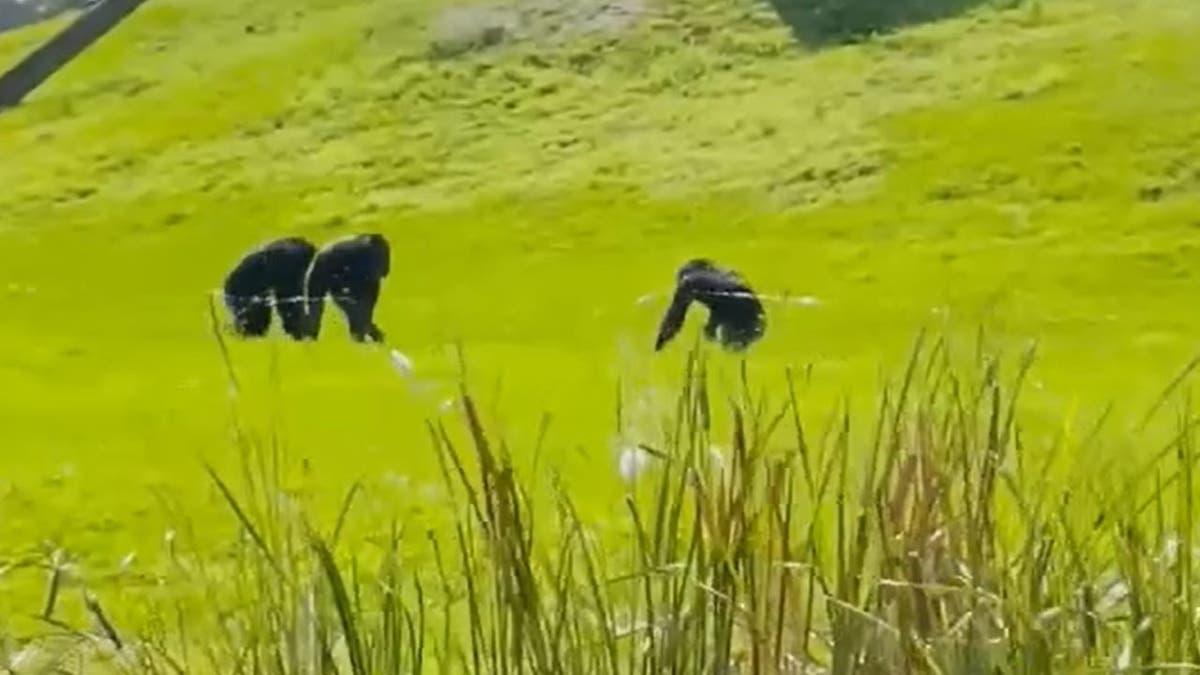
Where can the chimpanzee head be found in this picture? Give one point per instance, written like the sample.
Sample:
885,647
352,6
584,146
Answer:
381,254
695,265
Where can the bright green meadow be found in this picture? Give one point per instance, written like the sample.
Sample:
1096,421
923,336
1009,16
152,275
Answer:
1032,169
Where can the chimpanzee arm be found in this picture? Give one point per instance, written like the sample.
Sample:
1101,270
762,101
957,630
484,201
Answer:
672,321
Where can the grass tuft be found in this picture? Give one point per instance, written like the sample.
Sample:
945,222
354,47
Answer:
929,542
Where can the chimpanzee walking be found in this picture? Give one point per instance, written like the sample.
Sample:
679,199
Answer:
271,275
349,270
736,318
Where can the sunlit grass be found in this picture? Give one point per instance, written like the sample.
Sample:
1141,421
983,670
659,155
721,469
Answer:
929,538
1028,171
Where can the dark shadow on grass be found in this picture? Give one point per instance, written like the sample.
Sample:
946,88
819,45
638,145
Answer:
827,22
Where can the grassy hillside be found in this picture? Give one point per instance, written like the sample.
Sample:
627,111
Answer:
1034,167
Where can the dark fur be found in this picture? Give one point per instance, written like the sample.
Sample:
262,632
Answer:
736,318
270,275
349,270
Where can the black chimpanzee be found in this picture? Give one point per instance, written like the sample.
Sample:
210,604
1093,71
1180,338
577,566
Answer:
272,274
349,270
735,316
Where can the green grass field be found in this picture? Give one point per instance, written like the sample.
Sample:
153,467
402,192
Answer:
1033,168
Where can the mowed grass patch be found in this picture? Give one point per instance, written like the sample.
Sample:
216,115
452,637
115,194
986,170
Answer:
1027,171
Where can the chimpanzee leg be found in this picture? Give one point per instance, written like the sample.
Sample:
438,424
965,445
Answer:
740,327
292,306
314,308
711,328
251,314
315,289
358,305
370,297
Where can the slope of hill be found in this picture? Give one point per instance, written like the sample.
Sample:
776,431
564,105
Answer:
540,168
641,102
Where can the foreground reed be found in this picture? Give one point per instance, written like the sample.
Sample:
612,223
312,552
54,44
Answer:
934,541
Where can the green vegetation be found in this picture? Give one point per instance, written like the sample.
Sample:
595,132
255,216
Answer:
1030,167
934,540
